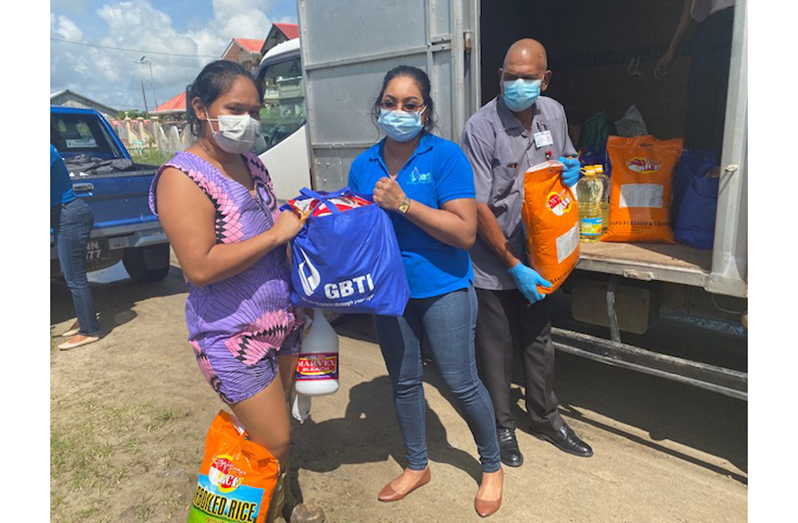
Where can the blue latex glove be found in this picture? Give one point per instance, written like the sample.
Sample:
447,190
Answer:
570,171
527,281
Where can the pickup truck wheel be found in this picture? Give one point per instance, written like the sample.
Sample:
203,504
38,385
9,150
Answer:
147,264
110,261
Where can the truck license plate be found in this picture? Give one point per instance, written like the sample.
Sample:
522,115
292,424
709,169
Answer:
97,250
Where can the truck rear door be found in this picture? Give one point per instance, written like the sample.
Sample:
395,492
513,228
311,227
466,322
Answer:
730,251
345,55
118,198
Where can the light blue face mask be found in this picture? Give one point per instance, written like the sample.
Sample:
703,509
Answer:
401,126
521,94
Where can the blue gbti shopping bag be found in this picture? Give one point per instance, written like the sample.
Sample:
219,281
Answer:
348,261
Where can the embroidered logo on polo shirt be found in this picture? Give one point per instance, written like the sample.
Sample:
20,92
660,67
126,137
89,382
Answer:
416,177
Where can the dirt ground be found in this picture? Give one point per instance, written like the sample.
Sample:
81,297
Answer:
129,416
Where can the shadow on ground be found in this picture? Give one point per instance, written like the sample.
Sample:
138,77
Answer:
115,301
667,410
370,425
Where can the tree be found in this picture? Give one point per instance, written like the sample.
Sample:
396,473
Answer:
132,114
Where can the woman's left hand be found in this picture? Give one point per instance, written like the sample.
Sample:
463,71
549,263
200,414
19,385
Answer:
388,194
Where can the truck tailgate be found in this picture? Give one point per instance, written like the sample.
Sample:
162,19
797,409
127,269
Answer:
117,199
648,261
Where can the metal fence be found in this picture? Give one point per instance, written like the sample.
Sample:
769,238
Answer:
141,136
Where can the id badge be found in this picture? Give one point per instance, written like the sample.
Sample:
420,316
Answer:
543,138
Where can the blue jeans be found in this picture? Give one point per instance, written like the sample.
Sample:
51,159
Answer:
72,223
449,322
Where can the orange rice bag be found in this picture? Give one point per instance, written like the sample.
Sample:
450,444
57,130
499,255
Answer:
641,188
551,219
236,479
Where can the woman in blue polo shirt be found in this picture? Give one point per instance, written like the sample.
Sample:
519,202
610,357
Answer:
427,186
72,220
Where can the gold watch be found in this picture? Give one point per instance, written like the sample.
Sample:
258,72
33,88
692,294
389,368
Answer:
404,206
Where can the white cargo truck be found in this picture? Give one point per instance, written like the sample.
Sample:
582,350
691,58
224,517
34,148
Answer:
602,55
283,145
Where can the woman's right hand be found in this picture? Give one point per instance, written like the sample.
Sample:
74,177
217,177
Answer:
286,227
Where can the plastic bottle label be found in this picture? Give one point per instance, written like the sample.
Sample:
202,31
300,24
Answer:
321,366
591,226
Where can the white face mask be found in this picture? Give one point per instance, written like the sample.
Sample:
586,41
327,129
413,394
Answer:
236,134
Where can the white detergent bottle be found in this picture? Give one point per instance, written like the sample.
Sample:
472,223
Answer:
317,369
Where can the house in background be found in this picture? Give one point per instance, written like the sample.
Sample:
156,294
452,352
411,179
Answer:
249,53
245,51
173,110
278,34
69,98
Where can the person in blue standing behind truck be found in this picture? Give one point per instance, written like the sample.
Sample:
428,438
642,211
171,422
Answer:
72,220
426,184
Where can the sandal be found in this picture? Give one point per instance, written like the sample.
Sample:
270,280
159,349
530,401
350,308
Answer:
78,341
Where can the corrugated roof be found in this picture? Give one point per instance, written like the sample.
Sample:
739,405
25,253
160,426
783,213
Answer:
175,105
95,102
289,30
250,44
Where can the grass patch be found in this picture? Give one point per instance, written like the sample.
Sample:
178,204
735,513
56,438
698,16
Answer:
151,156
80,460
163,416
94,450
56,502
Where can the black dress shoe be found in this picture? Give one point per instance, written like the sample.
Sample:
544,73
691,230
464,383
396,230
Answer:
508,448
565,439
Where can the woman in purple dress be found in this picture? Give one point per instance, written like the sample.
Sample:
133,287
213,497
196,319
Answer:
217,206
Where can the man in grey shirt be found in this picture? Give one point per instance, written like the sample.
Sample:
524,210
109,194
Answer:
514,131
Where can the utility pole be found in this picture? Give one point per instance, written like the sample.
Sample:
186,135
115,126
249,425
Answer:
152,80
143,61
145,98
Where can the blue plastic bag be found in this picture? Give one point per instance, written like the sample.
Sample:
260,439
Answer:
348,261
691,164
696,224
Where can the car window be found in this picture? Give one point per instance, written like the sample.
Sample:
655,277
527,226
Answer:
283,110
81,134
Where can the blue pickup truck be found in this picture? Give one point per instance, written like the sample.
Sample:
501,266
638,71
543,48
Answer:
116,188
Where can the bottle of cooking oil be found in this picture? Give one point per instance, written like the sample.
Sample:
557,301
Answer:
590,190
605,197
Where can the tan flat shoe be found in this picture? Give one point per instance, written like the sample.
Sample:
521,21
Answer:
74,329
389,494
78,341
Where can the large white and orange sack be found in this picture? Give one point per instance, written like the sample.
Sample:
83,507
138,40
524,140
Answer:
641,188
551,219
237,477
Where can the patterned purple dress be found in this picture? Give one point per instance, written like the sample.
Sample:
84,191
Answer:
237,325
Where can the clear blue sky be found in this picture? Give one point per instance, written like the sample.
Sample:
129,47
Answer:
177,36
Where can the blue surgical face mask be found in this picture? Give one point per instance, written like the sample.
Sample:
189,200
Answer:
521,94
401,126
